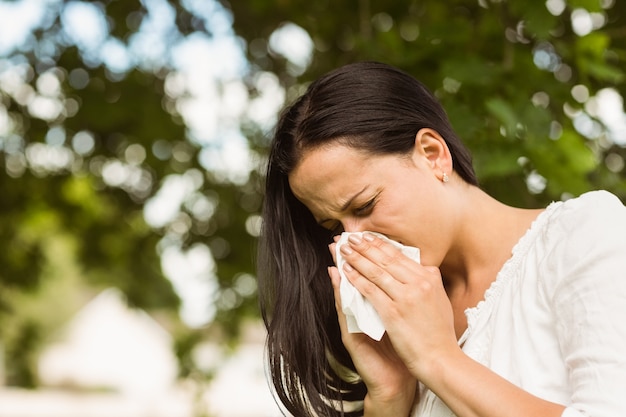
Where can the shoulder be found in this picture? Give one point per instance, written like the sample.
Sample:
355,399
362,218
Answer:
592,213
584,237
595,201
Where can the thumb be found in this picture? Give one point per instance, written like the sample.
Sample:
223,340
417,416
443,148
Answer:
335,278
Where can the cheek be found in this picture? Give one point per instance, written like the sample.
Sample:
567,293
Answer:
390,223
408,221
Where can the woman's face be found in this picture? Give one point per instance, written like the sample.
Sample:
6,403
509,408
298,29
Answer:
400,196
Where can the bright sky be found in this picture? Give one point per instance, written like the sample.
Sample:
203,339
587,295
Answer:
17,19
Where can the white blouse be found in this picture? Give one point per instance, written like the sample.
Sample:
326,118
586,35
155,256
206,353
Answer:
554,320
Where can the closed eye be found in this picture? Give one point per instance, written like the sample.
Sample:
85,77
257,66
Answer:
366,208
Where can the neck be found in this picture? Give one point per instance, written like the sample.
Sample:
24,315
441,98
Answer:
486,235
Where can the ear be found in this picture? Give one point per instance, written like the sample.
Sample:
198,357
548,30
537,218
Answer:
430,144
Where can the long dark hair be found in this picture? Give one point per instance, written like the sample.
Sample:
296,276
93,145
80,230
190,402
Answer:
372,107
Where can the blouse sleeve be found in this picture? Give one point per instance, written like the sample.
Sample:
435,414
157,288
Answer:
587,290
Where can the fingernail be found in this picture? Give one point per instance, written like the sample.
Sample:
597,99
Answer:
369,237
346,250
347,267
356,239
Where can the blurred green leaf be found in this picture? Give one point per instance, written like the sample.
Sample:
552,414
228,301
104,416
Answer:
503,70
503,111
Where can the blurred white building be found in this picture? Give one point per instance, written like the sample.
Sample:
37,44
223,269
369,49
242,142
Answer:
108,345
113,361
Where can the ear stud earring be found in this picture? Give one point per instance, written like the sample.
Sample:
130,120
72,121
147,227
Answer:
445,178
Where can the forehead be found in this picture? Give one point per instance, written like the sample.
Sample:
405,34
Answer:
326,177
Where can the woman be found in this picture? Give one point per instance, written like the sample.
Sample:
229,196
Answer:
511,312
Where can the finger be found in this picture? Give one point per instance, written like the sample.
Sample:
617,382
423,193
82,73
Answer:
376,289
333,251
387,258
359,267
335,278
333,247
386,253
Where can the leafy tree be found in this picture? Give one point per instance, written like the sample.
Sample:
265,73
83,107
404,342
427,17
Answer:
92,130
89,134
519,79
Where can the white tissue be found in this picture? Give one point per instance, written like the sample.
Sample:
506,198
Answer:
360,314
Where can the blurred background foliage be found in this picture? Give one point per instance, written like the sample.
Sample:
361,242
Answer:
98,132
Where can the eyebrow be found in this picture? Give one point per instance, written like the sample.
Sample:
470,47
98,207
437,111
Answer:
345,206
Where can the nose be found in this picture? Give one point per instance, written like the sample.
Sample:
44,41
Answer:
352,225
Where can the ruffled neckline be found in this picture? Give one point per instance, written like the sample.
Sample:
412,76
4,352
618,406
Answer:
508,270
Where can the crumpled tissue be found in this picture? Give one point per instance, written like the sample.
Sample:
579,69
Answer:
360,313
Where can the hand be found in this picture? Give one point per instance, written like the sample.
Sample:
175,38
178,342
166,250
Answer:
417,315
410,299
390,385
